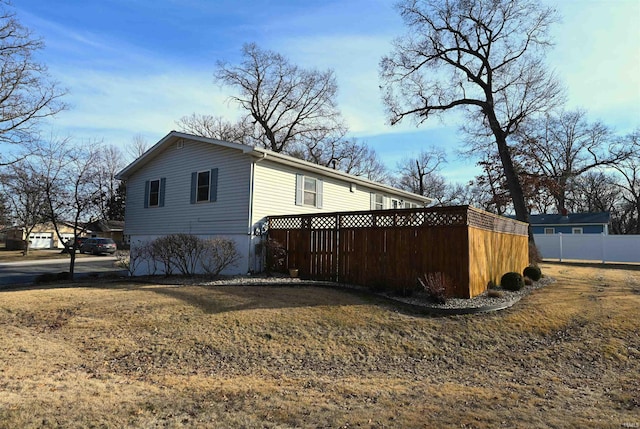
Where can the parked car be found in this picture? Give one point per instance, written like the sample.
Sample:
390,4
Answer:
98,246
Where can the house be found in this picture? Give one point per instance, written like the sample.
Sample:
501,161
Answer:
570,223
113,229
206,187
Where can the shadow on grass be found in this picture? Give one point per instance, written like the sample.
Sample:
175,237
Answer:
221,299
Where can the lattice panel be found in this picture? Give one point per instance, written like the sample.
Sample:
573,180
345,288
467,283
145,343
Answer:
496,223
445,219
323,222
410,218
356,221
285,222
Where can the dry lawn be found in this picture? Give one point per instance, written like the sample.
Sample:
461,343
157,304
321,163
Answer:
131,355
35,254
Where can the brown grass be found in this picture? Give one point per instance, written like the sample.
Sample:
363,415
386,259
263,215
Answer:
115,355
16,255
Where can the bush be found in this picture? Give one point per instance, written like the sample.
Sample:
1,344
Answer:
275,256
218,254
534,273
436,285
512,281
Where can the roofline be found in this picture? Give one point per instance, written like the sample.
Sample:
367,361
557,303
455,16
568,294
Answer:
569,223
141,160
273,156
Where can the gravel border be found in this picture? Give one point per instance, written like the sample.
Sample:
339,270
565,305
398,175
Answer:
418,302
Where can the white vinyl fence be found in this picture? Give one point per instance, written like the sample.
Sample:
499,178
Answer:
589,247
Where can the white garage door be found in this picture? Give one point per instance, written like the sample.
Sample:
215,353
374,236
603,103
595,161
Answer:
41,240
65,237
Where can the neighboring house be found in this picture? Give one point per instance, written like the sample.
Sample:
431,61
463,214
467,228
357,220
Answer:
570,223
43,236
113,229
206,187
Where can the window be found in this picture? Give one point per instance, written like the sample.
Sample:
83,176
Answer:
396,204
154,192
576,230
377,201
204,186
308,191
549,231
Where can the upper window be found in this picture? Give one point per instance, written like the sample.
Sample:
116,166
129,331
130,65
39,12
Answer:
154,193
203,186
378,202
549,231
308,191
577,230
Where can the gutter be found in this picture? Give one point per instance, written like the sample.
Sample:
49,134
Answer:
250,221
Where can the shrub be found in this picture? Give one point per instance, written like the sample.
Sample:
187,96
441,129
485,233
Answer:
534,273
275,256
512,281
436,285
218,254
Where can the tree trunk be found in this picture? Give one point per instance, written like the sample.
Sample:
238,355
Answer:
72,260
513,182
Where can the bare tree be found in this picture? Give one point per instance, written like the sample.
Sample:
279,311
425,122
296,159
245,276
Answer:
484,56
560,148
139,146
216,127
109,161
67,172
285,103
23,188
629,170
420,174
27,94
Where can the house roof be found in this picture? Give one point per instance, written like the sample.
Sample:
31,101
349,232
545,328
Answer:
175,136
570,219
103,225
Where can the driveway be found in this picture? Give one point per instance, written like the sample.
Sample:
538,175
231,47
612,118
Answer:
25,272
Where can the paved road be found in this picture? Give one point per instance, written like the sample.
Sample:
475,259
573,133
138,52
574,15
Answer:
24,272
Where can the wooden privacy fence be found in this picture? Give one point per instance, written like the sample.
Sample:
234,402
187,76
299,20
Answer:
390,248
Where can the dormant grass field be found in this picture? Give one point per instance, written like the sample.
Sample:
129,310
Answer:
135,355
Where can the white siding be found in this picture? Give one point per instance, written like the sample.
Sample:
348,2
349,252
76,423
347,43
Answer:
228,215
275,193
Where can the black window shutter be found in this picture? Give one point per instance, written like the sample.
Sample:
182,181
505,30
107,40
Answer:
146,194
213,186
194,185
163,183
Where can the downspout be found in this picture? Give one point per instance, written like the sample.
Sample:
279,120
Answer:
251,260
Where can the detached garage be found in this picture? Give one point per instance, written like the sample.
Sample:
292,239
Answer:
42,237
41,240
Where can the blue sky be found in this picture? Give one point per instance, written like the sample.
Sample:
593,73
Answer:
136,66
